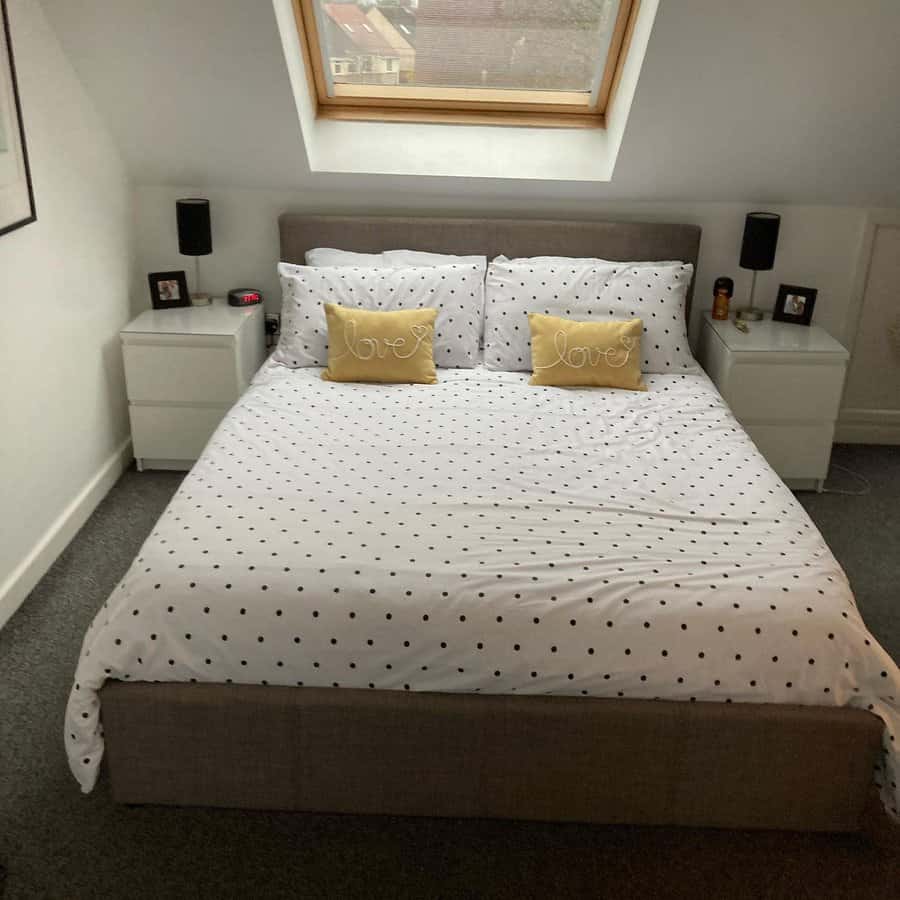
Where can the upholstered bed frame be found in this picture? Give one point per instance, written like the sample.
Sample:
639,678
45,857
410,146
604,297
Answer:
550,758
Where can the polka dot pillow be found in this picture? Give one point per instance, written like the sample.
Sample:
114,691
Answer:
455,291
585,291
514,288
656,295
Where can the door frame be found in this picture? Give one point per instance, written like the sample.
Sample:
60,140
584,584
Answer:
866,426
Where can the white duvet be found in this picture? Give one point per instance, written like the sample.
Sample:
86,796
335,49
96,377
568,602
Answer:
481,534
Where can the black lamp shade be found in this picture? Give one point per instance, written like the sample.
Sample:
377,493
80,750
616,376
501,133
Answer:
760,240
194,232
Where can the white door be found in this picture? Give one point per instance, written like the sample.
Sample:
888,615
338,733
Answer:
870,410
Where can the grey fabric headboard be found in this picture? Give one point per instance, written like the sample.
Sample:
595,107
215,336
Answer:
490,237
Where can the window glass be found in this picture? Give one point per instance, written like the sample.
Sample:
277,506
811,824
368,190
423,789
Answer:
515,45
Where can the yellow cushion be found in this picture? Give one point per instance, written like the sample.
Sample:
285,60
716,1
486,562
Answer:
387,347
595,354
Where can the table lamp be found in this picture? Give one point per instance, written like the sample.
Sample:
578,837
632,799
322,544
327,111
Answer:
758,253
194,238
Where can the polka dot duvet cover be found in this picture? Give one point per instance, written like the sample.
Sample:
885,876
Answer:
484,535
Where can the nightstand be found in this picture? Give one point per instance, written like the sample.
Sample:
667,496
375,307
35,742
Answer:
783,383
184,369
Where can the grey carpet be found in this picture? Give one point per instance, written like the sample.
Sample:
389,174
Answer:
57,843
864,533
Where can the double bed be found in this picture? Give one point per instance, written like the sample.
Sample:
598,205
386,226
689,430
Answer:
484,598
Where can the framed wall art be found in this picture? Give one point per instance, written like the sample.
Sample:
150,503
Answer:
16,194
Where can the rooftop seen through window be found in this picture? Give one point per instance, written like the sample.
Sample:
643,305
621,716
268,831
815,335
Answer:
541,62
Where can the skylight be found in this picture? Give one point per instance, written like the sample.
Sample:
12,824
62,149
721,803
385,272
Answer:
539,62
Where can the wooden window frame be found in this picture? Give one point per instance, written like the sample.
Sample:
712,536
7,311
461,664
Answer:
462,106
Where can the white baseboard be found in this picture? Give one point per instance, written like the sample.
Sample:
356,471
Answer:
29,572
868,426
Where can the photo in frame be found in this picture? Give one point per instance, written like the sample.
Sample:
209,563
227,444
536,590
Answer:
794,304
169,290
16,193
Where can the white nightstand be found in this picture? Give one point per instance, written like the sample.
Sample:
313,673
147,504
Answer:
783,383
184,369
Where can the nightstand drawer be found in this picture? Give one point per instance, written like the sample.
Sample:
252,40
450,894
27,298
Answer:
156,373
795,451
173,432
784,392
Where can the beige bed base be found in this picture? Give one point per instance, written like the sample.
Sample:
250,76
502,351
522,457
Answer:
550,758
496,756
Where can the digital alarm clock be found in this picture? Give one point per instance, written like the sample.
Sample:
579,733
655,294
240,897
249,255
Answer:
244,297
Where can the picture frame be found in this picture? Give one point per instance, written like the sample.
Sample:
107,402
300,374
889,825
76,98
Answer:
169,290
794,304
16,190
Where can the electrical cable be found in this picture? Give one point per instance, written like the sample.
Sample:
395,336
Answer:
867,487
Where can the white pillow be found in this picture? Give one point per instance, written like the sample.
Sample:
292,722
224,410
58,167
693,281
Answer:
591,261
585,291
655,294
455,291
396,259
401,258
515,288
328,256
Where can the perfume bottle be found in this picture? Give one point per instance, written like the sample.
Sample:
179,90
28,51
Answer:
723,289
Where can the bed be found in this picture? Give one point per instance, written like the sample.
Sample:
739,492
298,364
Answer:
481,599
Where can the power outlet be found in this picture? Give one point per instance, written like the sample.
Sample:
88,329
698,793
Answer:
273,328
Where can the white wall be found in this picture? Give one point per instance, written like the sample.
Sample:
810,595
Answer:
64,293
732,111
818,245
745,101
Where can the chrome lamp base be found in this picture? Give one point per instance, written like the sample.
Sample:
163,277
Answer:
198,297
750,313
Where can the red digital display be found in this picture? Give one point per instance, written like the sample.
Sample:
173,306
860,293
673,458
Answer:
240,297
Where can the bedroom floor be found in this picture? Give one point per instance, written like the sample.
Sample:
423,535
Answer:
55,842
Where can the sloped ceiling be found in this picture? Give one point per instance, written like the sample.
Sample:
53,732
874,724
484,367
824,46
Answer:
764,100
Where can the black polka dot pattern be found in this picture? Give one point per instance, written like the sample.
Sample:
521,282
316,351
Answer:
456,291
587,291
484,535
